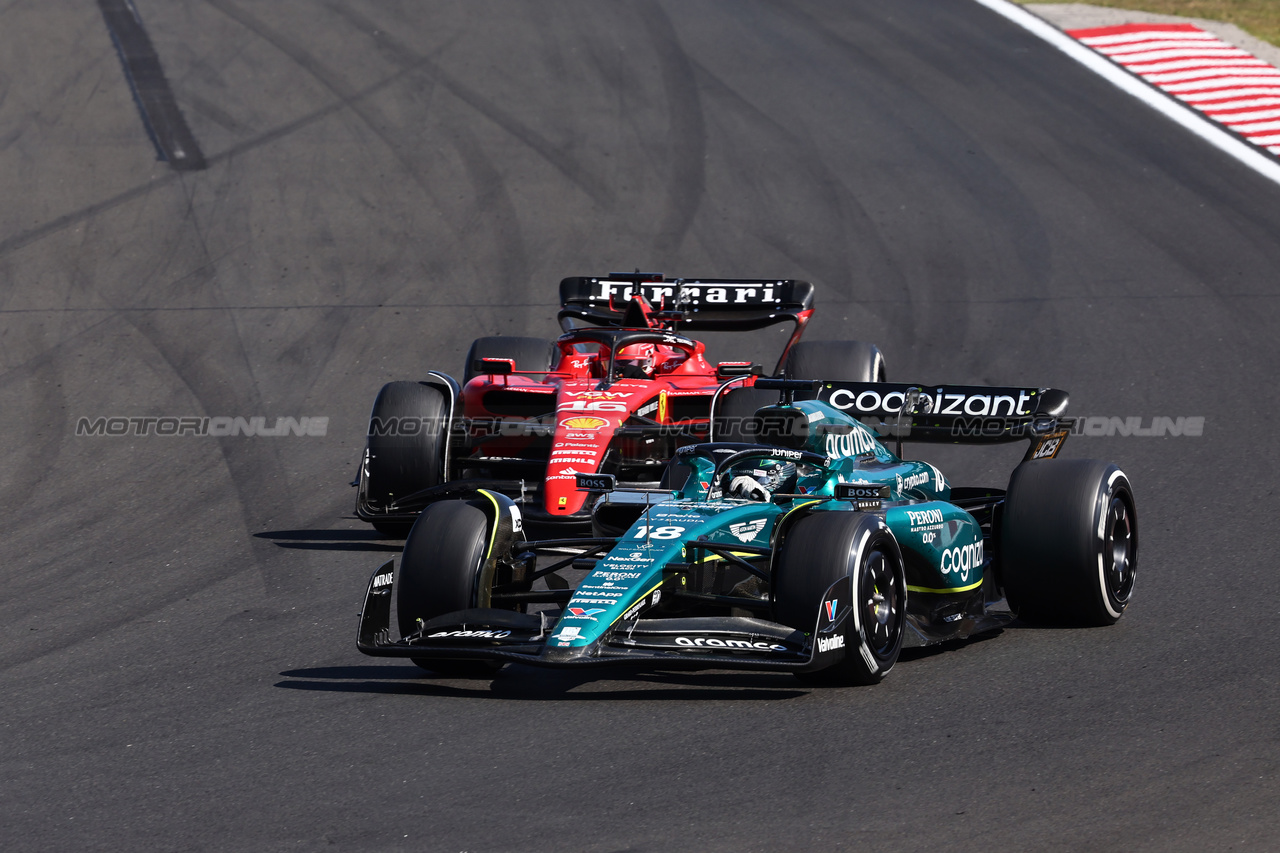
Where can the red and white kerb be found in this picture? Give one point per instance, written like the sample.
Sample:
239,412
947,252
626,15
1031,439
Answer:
1227,84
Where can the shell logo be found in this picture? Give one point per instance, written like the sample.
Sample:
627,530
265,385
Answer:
584,423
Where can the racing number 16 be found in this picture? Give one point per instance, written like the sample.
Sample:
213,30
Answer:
645,532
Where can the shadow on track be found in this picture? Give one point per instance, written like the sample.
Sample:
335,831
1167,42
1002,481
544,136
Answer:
921,652
516,682
330,540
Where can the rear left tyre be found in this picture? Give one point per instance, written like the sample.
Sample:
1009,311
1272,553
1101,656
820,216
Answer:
819,550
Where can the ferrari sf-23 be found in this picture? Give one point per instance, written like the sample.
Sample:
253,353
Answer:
616,394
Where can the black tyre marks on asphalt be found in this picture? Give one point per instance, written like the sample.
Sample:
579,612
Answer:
160,114
406,148
555,155
89,212
686,141
925,118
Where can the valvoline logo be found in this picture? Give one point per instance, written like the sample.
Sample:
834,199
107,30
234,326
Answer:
583,613
831,609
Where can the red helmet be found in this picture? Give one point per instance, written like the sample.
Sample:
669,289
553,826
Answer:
636,361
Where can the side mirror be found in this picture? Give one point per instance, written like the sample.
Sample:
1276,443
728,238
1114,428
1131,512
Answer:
729,369
495,366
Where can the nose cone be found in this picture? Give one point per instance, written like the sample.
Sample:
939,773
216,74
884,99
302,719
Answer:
579,446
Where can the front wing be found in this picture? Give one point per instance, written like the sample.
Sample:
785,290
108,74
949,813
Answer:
671,643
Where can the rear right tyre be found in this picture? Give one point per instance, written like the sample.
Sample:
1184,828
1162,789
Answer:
736,411
851,361
1069,542
528,353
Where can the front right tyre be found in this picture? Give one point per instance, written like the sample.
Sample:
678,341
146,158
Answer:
442,571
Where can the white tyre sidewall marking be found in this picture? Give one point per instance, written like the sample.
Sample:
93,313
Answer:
855,590
1104,509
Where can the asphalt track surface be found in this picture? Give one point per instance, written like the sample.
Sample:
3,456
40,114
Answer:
386,181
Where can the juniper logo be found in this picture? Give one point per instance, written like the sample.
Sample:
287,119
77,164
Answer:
217,427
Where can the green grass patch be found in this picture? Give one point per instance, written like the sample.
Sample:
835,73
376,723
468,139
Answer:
1260,18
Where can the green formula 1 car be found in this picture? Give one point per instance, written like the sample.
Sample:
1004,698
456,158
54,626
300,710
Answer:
818,551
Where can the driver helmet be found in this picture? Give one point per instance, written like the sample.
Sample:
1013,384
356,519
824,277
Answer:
762,480
636,361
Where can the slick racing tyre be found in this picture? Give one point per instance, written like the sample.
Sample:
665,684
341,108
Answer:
818,551
1069,542
735,413
440,572
528,354
852,361
405,446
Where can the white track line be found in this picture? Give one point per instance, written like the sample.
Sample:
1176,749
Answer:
1194,122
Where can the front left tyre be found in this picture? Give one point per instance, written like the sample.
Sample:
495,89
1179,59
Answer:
818,551
404,450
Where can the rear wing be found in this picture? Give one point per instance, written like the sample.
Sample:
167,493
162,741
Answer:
702,305
956,414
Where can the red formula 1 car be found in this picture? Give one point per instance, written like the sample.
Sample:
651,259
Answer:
617,393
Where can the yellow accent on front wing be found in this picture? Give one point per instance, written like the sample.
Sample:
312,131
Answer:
911,588
744,554
497,516
639,600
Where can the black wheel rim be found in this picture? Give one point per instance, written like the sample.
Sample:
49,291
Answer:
880,596
1119,549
